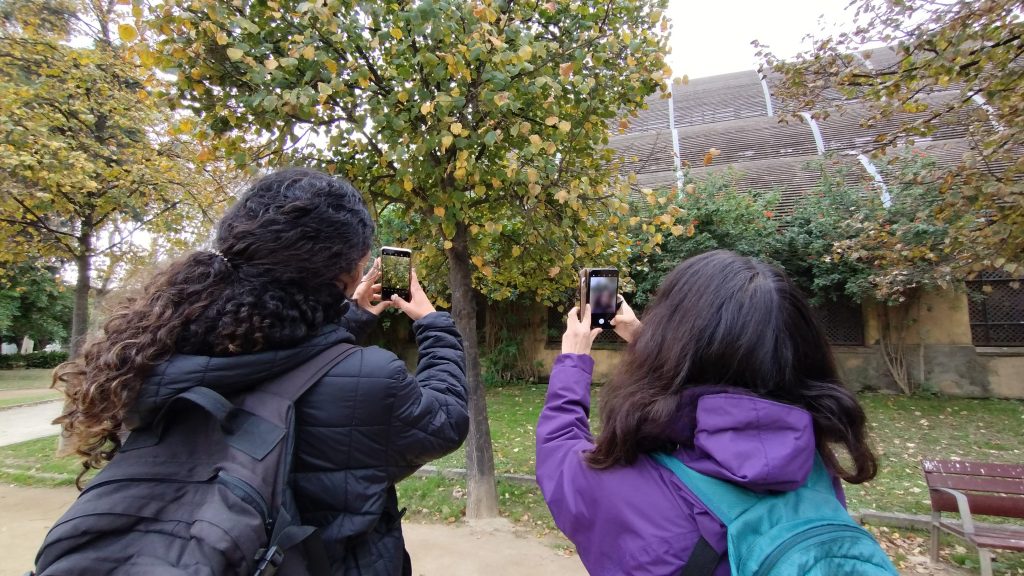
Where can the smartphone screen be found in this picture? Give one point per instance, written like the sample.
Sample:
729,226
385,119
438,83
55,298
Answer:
602,292
396,271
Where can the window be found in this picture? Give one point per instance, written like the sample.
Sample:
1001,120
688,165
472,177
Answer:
842,321
556,327
996,308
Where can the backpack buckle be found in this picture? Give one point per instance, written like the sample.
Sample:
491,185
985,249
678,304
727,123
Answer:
268,561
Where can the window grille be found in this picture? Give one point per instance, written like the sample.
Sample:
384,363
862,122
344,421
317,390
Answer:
842,321
556,327
996,309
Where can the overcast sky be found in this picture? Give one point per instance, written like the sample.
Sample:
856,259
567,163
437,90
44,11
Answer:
712,37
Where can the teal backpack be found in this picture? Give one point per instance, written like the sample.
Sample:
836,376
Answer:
806,532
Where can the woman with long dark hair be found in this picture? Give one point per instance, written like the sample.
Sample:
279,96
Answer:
728,372
282,284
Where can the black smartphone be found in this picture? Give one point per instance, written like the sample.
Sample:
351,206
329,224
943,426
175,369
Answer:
395,272
600,287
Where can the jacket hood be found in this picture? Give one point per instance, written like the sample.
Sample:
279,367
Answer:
224,374
736,436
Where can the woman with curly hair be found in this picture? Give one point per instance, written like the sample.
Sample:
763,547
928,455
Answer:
729,373
283,284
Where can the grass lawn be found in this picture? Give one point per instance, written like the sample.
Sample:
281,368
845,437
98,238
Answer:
904,430
25,379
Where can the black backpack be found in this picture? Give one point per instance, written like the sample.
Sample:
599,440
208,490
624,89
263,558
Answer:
202,491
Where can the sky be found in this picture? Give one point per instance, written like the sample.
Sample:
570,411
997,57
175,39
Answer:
712,37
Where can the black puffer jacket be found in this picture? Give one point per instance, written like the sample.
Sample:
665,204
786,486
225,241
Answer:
363,427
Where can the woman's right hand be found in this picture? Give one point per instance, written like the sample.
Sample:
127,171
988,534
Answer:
625,322
418,305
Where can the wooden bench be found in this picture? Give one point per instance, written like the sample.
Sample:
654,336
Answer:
972,488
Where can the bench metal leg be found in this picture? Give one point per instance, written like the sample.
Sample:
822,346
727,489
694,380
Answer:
934,547
986,561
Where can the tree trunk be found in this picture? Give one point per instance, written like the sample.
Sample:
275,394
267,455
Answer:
80,316
482,492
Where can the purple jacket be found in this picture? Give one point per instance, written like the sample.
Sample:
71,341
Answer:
641,520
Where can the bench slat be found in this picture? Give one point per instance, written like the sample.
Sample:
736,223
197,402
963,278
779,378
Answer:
975,483
971,468
985,504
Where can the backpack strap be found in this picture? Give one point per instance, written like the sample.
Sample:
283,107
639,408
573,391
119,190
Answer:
702,561
295,383
287,532
726,500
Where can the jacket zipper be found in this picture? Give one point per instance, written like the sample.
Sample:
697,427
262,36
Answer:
247,493
806,538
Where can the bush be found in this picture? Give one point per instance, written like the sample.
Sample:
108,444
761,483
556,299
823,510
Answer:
33,360
11,361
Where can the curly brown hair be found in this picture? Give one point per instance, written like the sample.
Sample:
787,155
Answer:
272,282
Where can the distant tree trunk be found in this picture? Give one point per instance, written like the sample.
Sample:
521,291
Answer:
80,316
482,492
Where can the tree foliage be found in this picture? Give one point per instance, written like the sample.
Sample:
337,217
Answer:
972,51
483,122
713,214
34,303
84,153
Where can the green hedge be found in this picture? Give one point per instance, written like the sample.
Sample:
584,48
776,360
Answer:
33,360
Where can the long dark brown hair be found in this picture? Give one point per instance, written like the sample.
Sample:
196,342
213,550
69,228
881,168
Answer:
724,319
272,283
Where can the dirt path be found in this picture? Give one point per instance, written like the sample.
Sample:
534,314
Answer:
491,549
488,549
28,423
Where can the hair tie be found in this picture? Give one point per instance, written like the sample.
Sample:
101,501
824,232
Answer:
220,255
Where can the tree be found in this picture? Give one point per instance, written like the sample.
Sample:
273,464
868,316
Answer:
715,215
967,48
34,303
484,123
82,151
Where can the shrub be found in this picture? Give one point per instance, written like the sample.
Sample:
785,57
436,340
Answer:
45,359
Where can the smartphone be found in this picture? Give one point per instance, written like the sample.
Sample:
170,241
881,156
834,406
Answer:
600,288
395,272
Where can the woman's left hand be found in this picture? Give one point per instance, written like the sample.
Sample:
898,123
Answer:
579,336
368,292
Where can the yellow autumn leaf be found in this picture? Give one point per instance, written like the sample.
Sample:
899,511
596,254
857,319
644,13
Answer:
487,271
127,33
403,96
565,70
309,52
426,108
332,66
396,33
526,52
407,185
460,174
564,126
478,261
516,251
690,189
553,271
535,140
455,128
561,196
551,120
270,63
532,175
677,230
446,141
439,211
222,38
448,244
